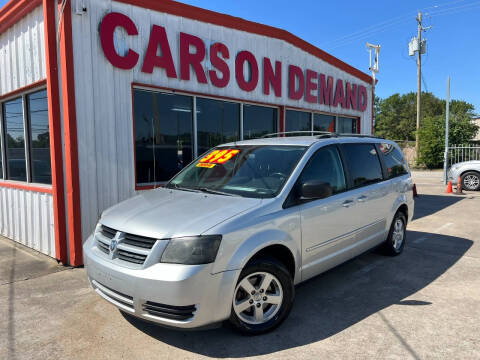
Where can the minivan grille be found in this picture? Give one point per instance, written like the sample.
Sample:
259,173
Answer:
169,311
131,256
131,248
103,247
139,241
108,232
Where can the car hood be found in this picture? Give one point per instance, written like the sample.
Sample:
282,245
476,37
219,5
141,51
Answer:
167,213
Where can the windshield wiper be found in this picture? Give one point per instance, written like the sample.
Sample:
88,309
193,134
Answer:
216,192
176,187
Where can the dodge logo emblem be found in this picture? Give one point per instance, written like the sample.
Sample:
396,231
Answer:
113,245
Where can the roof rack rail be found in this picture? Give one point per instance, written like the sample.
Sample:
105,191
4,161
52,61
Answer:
301,132
356,135
319,134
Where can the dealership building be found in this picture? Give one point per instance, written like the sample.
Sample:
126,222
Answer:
103,99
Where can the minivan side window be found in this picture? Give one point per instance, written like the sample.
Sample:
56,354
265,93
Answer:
326,166
363,163
394,160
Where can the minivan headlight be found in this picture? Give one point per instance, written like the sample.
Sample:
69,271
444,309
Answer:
192,250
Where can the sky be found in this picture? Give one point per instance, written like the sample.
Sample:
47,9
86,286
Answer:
342,28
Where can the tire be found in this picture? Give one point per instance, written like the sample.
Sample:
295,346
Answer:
244,316
397,235
471,181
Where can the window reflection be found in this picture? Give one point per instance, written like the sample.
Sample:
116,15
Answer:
15,140
218,122
322,122
298,121
258,121
163,135
40,137
347,125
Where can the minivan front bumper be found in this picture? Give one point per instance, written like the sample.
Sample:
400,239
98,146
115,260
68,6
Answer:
183,296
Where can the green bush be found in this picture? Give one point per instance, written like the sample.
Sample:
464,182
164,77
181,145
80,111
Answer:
432,138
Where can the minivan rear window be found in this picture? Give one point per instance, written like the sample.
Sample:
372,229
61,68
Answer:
363,163
394,160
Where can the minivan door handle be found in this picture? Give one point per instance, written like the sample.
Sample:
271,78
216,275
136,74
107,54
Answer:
347,203
362,198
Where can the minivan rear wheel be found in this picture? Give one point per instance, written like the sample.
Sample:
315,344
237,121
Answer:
397,235
263,297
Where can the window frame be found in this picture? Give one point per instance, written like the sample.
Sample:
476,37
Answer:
20,94
150,185
336,116
291,201
350,180
242,114
3,174
195,120
298,111
28,115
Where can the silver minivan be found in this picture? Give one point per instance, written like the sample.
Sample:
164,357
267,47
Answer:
232,234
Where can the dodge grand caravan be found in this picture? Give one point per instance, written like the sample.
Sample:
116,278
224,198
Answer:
233,232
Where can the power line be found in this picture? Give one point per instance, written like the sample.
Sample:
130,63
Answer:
387,24
458,9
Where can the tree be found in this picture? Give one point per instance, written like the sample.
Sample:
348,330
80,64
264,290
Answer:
397,115
397,120
432,137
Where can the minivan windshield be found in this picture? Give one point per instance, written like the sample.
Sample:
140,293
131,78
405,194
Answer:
248,171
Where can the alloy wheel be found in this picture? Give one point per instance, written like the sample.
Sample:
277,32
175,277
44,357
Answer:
398,234
258,298
471,182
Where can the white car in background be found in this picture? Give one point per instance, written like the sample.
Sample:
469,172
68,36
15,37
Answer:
468,172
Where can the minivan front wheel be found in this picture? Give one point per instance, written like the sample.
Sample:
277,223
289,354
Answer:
397,235
263,297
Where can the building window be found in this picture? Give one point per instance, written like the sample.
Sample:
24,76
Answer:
218,122
37,112
322,122
163,135
170,128
259,121
298,121
347,125
26,139
15,140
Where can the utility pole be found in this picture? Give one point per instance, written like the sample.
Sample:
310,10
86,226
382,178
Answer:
419,46
447,124
419,77
374,68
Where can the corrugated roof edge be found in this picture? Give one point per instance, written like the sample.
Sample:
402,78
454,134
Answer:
15,10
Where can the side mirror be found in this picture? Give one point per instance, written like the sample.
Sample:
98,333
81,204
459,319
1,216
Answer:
314,190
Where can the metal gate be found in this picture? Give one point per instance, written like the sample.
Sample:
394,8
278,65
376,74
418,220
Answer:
459,153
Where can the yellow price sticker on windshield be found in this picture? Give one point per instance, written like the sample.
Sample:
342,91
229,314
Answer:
219,156
203,165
